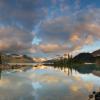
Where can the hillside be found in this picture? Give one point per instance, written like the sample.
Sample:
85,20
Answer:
14,58
88,57
84,58
96,53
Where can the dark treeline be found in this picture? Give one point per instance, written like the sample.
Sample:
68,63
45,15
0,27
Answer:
64,61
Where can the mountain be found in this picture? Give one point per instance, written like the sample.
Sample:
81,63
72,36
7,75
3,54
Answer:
96,53
16,58
88,57
97,58
84,58
49,61
39,59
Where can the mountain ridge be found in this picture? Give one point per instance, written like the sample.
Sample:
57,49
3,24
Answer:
96,53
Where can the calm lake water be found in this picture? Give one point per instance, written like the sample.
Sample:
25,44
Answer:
47,83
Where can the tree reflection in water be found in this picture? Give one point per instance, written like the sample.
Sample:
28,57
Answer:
83,69
63,68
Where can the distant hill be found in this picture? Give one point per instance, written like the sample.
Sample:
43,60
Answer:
84,57
97,60
15,58
49,61
96,53
36,59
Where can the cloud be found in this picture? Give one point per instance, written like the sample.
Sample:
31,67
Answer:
57,29
20,13
57,23
74,37
74,32
13,39
49,48
17,22
89,39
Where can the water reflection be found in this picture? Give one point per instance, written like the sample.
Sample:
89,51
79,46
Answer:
48,83
13,89
83,69
0,73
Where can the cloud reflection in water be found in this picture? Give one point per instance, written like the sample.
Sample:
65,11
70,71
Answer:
46,83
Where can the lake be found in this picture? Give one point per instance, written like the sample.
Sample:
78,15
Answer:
48,83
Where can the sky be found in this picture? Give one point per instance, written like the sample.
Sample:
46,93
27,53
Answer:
46,28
